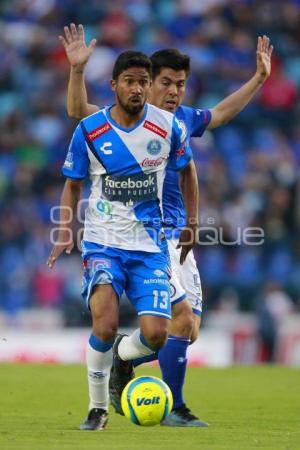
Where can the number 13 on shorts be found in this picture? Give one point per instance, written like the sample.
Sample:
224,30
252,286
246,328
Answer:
160,299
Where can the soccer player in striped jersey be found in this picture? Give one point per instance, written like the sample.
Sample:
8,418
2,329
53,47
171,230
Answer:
170,70
124,247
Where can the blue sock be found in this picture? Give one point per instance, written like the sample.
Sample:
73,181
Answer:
173,361
145,359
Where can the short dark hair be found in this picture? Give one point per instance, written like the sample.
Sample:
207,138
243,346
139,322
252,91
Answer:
129,59
169,58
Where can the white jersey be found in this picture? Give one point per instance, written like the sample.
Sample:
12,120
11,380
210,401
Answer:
127,168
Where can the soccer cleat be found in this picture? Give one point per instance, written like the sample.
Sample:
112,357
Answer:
96,420
121,373
182,417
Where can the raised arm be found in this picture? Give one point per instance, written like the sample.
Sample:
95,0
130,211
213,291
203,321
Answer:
78,54
68,204
190,193
228,108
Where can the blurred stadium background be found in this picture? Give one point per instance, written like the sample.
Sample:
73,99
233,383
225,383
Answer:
248,170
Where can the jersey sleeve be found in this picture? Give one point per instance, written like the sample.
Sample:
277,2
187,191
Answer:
181,152
199,120
77,162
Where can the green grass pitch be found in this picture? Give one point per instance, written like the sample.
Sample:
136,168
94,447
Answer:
247,408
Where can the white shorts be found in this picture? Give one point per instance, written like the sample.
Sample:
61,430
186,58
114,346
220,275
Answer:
185,281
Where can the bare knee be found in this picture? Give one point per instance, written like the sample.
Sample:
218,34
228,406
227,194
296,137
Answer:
155,331
156,338
196,326
182,320
104,310
104,331
194,336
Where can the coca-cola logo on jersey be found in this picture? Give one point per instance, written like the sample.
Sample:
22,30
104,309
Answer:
147,162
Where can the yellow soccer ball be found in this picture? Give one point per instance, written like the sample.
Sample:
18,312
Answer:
146,401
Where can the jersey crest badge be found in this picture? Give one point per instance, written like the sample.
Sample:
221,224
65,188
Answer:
154,147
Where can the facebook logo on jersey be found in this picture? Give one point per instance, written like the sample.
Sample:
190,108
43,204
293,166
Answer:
130,189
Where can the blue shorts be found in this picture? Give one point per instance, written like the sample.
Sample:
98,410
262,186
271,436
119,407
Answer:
142,275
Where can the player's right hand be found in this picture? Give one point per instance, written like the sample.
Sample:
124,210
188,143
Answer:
78,53
263,56
64,243
187,240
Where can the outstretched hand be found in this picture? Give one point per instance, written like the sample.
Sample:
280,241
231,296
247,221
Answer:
78,53
263,56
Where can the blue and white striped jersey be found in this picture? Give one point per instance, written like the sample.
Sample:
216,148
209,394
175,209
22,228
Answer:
195,122
127,169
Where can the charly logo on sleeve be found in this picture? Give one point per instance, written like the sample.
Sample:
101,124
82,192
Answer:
183,129
154,147
68,164
131,189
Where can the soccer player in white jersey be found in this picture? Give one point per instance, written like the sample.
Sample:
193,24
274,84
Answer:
124,247
170,70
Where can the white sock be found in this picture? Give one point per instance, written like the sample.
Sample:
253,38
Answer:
98,368
131,347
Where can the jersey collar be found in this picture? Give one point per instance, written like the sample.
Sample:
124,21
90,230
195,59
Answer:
127,130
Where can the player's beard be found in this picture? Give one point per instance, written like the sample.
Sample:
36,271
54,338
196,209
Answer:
132,109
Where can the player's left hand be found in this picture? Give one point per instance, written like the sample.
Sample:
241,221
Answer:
187,240
263,57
